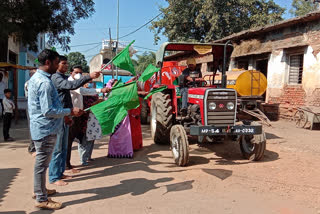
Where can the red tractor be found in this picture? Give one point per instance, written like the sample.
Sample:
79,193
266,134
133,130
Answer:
213,109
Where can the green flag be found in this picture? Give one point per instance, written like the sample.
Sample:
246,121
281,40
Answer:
147,74
123,60
156,90
112,111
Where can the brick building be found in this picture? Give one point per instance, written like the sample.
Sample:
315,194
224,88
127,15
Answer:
288,53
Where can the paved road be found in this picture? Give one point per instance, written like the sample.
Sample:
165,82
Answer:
217,179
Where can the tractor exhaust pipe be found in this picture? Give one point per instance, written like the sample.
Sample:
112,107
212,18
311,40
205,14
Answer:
224,76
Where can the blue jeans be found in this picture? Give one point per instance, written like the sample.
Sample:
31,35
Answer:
58,162
91,149
85,150
44,148
184,96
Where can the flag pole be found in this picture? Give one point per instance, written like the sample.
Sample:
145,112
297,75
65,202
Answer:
117,47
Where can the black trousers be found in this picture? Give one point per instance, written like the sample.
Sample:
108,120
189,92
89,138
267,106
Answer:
2,109
6,125
75,131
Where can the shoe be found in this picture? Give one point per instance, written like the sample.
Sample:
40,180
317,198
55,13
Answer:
10,139
48,205
49,193
85,164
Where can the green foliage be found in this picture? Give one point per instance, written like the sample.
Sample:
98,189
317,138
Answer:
302,7
144,60
77,58
27,18
208,20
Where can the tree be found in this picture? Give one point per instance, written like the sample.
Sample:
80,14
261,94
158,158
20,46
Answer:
27,18
77,58
208,20
302,7
144,60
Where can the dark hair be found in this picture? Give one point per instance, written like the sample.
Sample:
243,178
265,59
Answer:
63,58
76,66
6,90
47,54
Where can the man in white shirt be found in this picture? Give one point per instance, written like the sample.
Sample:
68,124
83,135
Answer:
8,107
75,130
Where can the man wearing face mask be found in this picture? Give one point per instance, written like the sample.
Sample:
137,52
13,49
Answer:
63,86
77,100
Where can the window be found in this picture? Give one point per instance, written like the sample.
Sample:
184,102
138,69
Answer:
296,69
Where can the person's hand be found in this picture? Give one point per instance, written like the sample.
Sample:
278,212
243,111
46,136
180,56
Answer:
134,78
105,90
95,74
97,102
76,112
143,93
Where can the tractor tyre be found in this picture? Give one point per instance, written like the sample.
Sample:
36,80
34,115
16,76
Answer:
161,118
144,112
179,145
253,146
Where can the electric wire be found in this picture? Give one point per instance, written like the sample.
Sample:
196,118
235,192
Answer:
141,26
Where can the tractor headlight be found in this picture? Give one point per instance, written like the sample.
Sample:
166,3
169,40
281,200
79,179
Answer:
230,105
212,106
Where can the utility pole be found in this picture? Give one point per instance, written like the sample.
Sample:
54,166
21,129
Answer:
117,37
111,51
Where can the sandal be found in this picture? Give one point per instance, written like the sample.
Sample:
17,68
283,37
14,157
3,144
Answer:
49,205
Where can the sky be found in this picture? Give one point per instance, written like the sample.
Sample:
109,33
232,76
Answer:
133,14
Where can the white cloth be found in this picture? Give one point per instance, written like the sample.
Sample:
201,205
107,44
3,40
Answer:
8,105
77,95
26,89
94,131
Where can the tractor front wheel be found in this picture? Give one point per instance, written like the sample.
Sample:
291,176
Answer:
253,146
179,145
161,118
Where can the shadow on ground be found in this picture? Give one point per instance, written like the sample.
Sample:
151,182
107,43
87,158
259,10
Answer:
6,178
229,153
271,136
134,187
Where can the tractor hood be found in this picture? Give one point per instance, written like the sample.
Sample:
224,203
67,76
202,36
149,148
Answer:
197,91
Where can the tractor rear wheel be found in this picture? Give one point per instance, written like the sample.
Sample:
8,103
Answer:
253,146
161,118
144,112
179,145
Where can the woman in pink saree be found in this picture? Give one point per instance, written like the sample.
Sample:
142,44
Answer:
120,144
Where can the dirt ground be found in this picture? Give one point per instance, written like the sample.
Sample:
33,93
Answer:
217,179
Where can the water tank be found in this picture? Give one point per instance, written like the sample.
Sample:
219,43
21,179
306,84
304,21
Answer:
245,82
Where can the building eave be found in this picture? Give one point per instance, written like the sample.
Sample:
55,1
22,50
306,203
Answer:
247,34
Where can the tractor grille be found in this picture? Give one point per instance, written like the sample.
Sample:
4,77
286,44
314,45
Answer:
221,115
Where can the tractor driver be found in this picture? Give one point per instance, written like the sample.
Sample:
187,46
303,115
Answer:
184,82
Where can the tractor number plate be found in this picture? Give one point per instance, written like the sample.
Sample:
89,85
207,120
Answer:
244,131
234,130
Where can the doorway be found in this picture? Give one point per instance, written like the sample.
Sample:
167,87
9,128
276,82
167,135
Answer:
262,66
